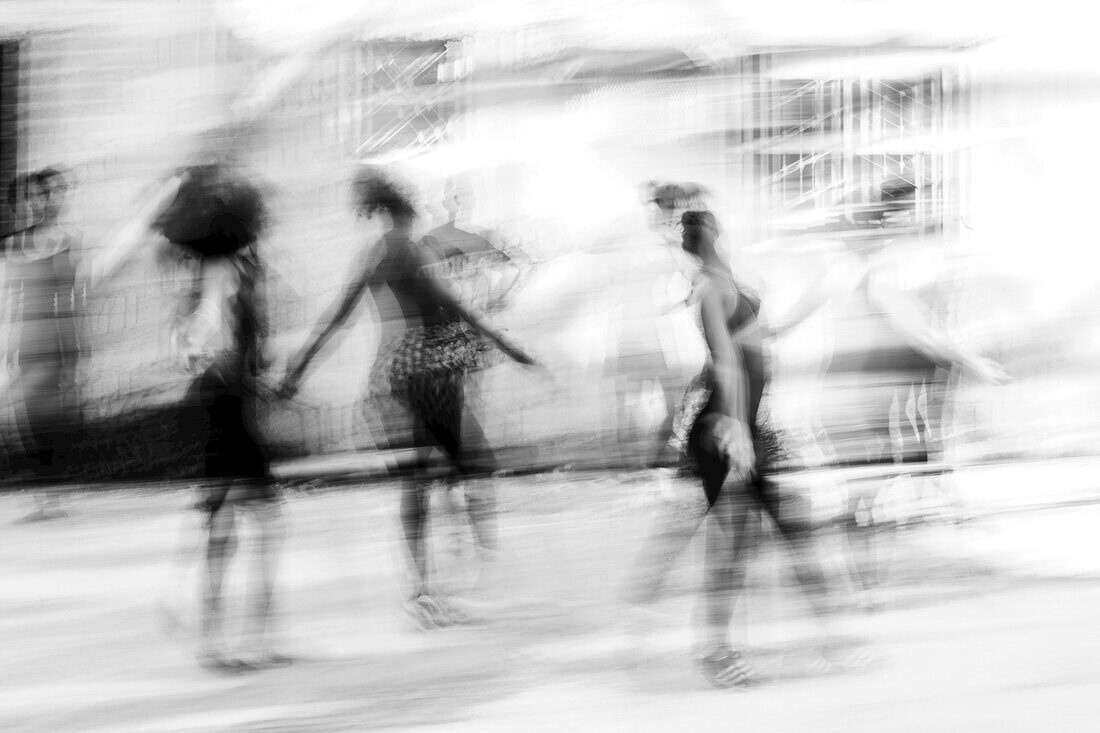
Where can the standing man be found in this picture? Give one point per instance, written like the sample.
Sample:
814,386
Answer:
481,276
44,300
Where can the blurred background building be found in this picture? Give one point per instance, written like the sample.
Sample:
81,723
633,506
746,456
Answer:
792,113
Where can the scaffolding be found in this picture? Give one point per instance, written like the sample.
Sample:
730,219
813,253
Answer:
822,148
405,94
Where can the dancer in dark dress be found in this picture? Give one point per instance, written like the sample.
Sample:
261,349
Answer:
217,217
423,361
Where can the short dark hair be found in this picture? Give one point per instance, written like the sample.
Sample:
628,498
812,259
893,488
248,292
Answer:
700,231
216,212
42,175
375,191
20,185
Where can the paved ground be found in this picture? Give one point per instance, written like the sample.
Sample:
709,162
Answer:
987,625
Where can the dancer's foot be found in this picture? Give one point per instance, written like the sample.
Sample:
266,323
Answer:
846,654
43,514
723,667
427,613
216,661
269,659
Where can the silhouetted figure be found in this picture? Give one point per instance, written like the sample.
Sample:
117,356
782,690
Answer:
217,217
423,361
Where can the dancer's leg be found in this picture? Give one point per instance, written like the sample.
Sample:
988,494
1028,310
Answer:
220,545
271,531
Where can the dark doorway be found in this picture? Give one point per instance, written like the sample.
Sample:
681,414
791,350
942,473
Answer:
9,127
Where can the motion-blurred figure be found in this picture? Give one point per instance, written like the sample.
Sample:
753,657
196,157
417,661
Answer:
885,385
45,302
216,218
733,453
423,361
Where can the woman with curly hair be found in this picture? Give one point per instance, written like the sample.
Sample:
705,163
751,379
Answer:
216,219
423,362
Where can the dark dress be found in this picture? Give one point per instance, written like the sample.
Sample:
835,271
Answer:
225,404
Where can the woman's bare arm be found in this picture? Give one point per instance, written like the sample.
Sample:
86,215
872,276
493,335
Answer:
906,316
445,295
335,316
815,296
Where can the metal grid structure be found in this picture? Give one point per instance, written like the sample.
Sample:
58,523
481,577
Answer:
822,148
405,94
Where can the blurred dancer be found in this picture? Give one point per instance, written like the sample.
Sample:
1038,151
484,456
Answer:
216,218
730,446
423,361
45,302
885,384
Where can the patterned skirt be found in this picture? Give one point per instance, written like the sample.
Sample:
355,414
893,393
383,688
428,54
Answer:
425,368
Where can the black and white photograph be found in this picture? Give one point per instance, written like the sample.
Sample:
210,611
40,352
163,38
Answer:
557,365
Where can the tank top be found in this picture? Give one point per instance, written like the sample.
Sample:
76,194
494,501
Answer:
742,310
45,288
402,272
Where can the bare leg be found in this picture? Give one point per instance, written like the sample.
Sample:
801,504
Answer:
470,453
415,494
868,541
671,532
221,541
795,525
732,530
272,531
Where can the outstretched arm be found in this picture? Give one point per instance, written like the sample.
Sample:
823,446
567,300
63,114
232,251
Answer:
815,296
905,315
334,318
444,295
